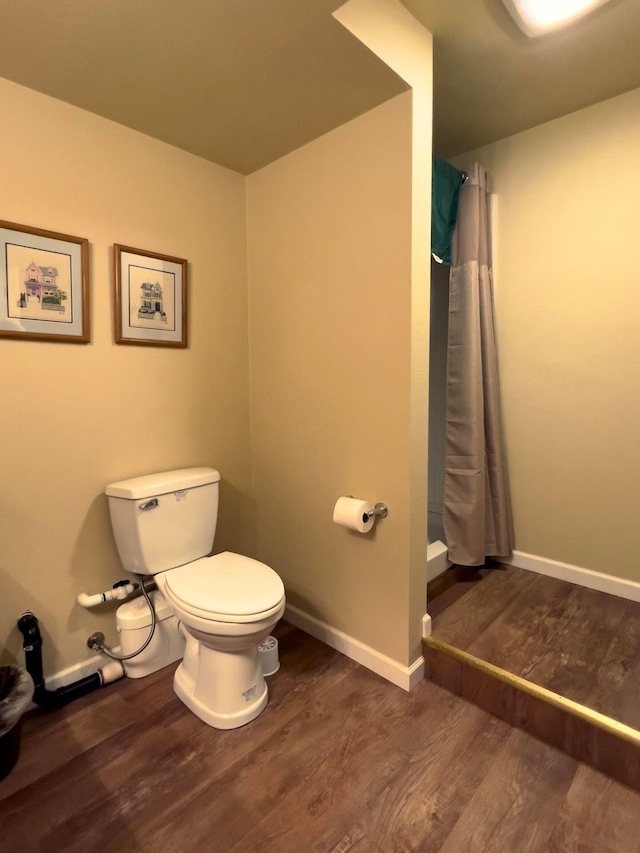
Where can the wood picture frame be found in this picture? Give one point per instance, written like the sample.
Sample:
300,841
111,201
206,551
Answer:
44,285
150,298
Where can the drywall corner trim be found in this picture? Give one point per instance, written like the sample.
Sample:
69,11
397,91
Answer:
575,574
406,677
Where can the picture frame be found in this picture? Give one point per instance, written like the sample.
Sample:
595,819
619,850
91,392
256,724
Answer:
150,298
44,285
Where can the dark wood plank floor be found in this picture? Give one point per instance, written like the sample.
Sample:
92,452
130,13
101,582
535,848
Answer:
578,642
340,760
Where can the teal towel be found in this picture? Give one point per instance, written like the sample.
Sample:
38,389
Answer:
445,190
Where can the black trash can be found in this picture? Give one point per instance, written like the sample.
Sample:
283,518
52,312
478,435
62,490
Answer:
16,690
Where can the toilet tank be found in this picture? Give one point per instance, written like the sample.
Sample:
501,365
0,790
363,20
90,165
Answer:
164,520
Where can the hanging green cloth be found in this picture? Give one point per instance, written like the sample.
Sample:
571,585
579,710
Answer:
445,189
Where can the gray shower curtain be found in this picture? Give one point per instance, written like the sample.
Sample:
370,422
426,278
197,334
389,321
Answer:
477,508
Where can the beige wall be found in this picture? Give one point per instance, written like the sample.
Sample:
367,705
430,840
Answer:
338,248
330,330
77,417
568,313
388,29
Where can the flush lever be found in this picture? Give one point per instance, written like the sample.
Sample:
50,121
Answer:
152,504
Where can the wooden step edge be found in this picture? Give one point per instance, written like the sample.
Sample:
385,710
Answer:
586,735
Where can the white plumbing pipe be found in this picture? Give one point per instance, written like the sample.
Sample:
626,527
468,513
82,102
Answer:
111,671
118,592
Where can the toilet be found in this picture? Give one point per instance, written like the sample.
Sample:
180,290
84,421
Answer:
164,525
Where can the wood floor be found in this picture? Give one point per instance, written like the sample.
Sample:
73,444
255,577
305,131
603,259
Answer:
340,760
580,643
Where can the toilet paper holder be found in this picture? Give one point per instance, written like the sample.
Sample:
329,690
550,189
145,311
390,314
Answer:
379,510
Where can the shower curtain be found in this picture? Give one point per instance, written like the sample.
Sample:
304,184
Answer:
477,508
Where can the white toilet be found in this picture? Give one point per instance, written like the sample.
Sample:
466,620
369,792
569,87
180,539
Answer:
164,525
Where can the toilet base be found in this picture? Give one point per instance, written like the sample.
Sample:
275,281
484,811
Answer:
225,689
212,718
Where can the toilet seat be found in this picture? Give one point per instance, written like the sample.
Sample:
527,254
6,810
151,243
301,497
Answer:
227,587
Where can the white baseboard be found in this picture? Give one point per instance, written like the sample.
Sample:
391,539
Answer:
77,671
575,574
437,559
406,677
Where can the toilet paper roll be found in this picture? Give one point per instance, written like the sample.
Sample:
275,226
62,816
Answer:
352,513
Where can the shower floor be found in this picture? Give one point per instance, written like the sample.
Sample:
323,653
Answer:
577,642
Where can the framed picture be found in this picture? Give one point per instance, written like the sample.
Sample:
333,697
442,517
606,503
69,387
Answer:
44,285
151,298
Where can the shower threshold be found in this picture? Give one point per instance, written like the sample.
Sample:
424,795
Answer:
557,660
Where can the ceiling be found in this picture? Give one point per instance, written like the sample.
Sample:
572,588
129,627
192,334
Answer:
244,82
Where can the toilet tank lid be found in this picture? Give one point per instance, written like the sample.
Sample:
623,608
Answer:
162,483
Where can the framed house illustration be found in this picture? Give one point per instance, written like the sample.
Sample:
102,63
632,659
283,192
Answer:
44,284
150,298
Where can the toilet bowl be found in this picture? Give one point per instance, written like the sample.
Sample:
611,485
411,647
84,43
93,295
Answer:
226,605
164,525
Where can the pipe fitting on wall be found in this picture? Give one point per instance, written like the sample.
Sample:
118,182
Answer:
119,591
